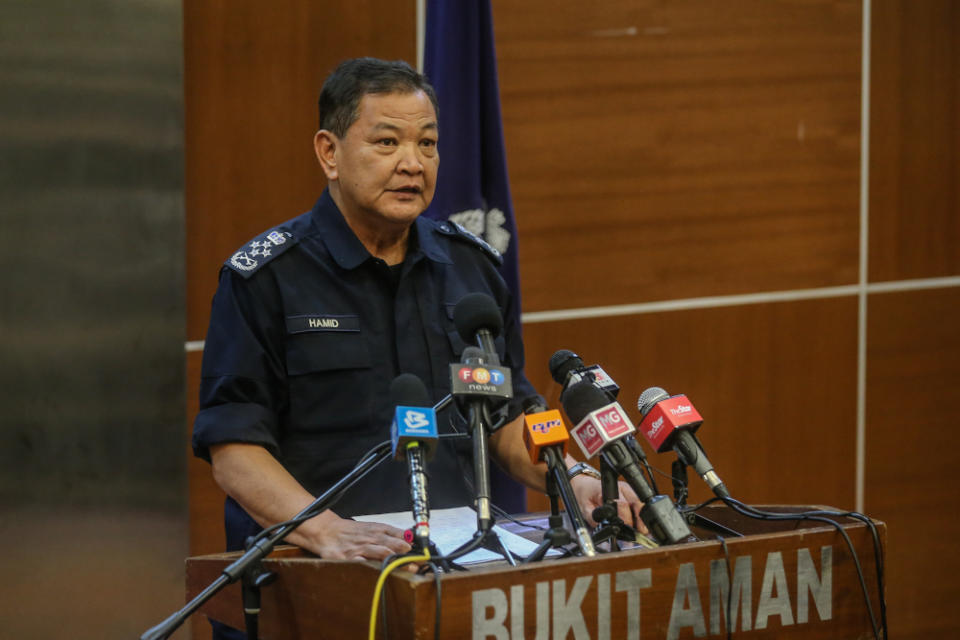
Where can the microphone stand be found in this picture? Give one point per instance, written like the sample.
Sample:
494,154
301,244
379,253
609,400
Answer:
557,535
485,536
678,472
249,568
609,525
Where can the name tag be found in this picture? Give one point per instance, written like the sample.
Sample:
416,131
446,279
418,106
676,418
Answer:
322,322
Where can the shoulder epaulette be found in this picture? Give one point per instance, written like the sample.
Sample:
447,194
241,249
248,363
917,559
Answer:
457,231
261,250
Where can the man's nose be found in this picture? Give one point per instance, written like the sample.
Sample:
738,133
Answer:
410,161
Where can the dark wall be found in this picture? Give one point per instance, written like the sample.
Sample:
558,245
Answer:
92,475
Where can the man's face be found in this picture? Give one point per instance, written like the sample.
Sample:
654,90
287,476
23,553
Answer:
386,163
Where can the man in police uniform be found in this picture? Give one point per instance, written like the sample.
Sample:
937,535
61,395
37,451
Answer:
312,321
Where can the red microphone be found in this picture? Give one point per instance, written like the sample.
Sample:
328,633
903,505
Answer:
669,422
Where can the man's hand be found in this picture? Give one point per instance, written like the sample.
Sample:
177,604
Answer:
335,538
589,495
268,492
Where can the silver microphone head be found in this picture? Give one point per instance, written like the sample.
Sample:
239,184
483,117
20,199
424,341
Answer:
650,397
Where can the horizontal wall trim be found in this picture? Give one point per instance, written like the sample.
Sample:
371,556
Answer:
737,300
710,302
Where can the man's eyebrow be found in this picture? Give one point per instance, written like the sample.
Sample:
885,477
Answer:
380,126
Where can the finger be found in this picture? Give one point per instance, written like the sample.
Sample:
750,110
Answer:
638,523
624,512
387,541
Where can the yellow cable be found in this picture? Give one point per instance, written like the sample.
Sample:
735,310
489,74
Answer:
383,578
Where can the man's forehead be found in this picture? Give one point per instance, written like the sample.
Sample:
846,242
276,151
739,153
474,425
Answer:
391,110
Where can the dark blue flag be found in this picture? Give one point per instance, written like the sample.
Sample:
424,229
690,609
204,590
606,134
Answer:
472,186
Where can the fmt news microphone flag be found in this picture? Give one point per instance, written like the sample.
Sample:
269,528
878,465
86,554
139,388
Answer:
472,186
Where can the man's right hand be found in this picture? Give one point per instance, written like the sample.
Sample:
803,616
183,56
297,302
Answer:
335,538
267,491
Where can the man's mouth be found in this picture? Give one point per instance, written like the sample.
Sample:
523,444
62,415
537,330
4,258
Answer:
409,189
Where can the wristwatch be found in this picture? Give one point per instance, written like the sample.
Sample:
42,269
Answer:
584,468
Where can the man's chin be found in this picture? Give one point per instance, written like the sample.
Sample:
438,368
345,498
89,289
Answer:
404,213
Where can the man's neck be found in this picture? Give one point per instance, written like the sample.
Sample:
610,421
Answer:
387,242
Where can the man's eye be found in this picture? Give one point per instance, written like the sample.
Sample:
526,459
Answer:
390,142
428,143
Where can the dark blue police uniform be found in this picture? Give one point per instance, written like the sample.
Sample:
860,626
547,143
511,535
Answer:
306,334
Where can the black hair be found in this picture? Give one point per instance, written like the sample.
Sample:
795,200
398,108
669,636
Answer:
352,79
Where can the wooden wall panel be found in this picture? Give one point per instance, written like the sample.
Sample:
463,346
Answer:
252,74
915,140
776,384
681,149
913,389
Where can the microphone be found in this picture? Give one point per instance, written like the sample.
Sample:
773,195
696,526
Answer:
481,380
566,368
477,318
413,437
669,422
602,427
545,437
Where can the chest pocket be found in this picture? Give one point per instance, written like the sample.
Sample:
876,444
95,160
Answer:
320,351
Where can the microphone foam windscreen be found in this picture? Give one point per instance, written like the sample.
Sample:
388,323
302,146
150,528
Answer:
477,311
472,355
582,398
562,363
408,390
534,404
650,397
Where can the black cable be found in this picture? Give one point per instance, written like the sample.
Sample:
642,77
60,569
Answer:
503,514
821,516
877,547
726,556
649,470
383,609
437,605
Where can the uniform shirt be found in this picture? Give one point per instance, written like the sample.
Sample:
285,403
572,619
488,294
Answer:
308,330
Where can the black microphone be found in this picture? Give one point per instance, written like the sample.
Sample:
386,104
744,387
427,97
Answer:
602,427
413,437
477,319
567,368
669,422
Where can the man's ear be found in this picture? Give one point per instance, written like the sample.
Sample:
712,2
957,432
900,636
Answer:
325,146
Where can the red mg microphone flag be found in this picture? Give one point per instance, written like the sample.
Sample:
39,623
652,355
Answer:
597,428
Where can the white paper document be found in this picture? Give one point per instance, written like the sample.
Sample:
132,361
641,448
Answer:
450,528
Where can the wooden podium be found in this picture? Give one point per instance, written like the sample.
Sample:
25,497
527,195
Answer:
780,580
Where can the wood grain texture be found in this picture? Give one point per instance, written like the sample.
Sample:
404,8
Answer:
680,149
915,140
330,599
775,383
252,74
913,387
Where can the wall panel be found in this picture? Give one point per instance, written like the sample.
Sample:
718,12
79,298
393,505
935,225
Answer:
252,75
915,140
912,388
776,388
691,148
